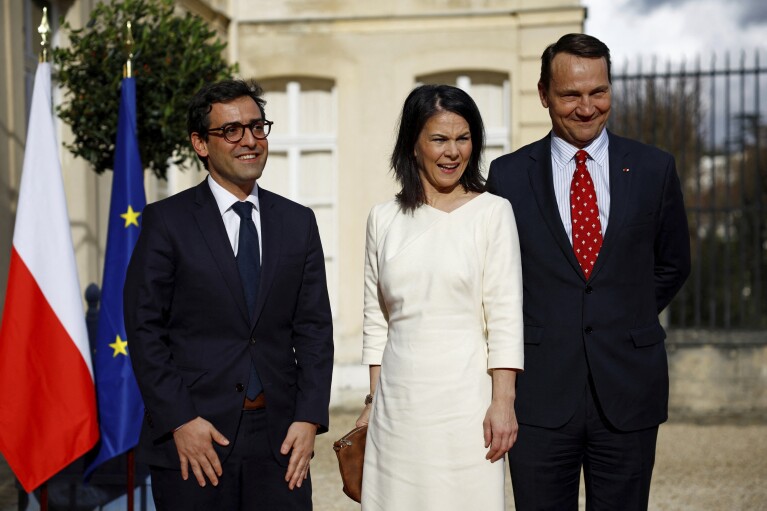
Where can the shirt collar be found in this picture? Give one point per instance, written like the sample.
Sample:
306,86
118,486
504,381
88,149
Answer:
562,152
225,198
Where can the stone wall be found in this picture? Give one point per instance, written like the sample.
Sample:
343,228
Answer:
717,374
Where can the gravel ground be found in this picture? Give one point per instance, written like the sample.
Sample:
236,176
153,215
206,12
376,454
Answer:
698,467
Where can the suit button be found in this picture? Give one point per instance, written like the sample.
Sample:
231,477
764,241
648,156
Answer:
588,330
589,290
240,387
252,340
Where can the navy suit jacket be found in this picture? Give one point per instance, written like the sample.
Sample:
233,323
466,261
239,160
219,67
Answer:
608,326
189,332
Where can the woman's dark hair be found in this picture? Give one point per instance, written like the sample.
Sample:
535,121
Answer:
198,120
580,45
421,104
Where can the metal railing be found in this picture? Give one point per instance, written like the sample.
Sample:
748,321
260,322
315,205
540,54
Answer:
713,120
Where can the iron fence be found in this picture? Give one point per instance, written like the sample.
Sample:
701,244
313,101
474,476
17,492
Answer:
713,120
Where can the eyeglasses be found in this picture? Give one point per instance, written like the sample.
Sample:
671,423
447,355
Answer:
234,131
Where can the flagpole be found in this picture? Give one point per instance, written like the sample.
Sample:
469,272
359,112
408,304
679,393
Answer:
128,73
129,459
44,29
44,497
120,408
44,353
131,478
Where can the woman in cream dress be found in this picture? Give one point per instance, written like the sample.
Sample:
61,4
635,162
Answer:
443,319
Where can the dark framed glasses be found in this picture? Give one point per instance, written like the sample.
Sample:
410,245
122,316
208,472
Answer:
233,132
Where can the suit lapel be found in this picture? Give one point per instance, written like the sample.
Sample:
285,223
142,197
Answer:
211,226
620,191
542,183
271,226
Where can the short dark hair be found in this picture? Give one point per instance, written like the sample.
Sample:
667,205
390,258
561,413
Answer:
198,113
580,45
421,104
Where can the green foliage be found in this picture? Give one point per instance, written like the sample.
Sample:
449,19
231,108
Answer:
173,57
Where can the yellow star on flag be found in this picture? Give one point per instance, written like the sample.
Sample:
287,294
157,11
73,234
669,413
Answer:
119,347
131,217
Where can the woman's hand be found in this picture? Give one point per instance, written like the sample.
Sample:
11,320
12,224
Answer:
500,426
364,417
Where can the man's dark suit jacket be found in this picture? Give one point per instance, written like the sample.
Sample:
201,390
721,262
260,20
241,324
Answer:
189,332
607,327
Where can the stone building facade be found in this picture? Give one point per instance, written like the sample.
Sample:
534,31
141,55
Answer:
336,73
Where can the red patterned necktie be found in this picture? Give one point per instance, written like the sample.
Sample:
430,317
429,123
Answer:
587,230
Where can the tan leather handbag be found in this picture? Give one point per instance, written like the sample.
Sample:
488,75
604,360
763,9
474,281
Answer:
350,450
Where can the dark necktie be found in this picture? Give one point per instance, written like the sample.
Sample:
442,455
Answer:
249,264
587,229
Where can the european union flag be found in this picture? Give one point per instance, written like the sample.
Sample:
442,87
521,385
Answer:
120,407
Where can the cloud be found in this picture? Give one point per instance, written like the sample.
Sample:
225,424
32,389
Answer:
676,30
753,12
745,12
644,5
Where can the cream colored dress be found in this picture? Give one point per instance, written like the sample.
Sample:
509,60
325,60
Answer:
443,304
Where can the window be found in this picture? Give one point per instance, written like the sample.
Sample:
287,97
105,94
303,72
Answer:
302,155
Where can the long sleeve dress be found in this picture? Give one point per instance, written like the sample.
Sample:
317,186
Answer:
443,306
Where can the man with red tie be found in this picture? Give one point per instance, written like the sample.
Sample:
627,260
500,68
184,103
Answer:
605,247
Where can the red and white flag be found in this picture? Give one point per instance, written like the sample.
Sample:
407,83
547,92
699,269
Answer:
47,398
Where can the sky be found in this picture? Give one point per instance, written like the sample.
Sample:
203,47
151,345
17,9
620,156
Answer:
676,30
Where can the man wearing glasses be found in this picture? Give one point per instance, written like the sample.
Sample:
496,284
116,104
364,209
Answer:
229,324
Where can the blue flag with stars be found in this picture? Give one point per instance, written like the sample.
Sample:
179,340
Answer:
120,407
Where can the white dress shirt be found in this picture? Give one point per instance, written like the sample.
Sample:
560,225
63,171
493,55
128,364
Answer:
563,168
225,199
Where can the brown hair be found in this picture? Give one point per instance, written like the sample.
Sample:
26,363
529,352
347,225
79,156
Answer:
580,45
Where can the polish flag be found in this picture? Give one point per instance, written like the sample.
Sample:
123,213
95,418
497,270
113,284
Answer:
47,399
